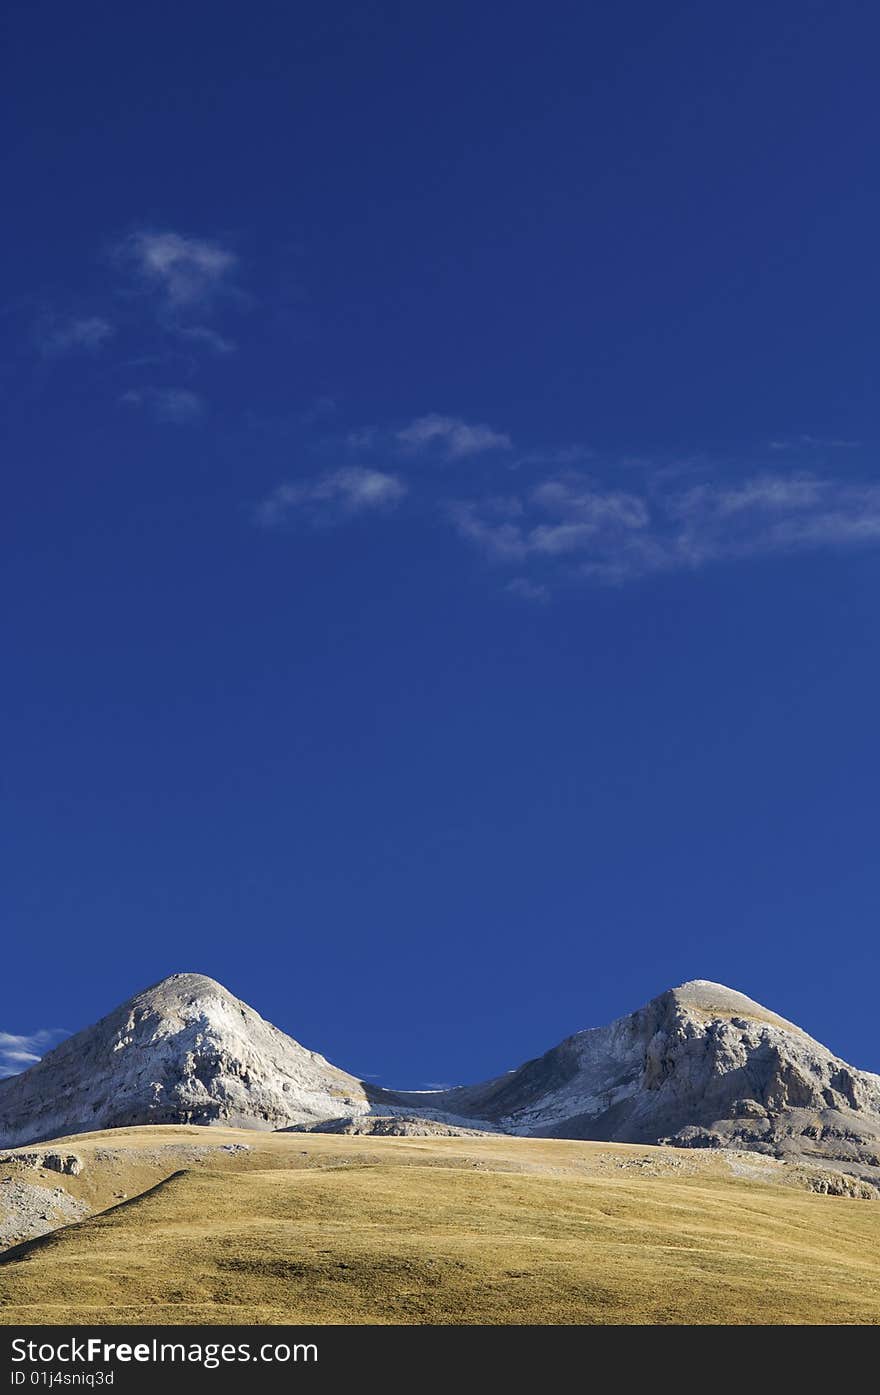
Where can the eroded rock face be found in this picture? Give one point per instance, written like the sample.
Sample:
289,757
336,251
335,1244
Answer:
67,1163
397,1126
700,1066
183,1052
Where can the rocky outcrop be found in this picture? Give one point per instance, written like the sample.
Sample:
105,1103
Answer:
52,1161
699,1066
183,1052
396,1126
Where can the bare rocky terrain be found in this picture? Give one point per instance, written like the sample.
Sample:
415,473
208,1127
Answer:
183,1051
700,1066
28,1210
395,1126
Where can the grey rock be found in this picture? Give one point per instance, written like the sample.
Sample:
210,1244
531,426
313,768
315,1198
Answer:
28,1210
68,1163
699,1066
182,1052
396,1126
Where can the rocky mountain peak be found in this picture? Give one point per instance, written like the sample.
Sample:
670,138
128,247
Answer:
701,1065
702,996
184,987
185,1050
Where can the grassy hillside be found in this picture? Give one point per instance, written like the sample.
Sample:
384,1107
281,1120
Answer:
324,1229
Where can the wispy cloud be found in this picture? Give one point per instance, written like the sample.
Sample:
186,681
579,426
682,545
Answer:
17,1053
177,406
573,525
493,525
363,438
205,338
527,590
187,283
804,442
55,337
170,310
321,410
331,498
455,437
573,516
761,494
185,272
556,518
556,457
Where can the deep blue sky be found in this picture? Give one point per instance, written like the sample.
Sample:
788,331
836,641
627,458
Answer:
442,528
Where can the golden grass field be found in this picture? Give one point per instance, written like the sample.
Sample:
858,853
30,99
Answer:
305,1228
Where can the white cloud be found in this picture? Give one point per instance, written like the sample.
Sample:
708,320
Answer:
528,590
554,539
582,514
17,1053
458,438
566,519
186,272
763,493
804,442
575,499
88,334
178,406
362,439
332,497
500,538
616,536
556,457
206,338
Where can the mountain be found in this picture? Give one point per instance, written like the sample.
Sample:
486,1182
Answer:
182,1052
700,1066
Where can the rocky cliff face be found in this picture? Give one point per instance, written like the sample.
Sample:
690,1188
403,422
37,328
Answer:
184,1051
699,1066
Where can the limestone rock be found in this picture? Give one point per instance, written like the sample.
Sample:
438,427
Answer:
183,1052
699,1066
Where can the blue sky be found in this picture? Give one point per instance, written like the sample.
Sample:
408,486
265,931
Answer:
442,539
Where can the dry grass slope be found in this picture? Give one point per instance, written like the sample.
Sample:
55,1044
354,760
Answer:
328,1229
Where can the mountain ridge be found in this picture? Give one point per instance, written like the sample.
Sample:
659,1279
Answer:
700,1065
